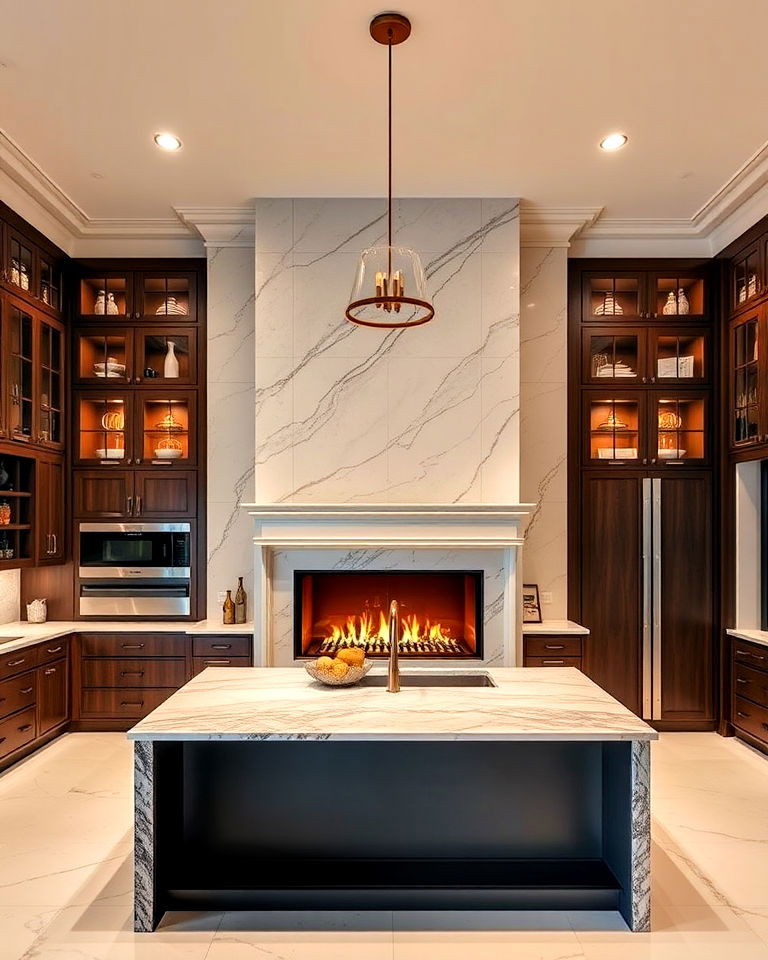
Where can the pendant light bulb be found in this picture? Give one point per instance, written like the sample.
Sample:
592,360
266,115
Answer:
390,287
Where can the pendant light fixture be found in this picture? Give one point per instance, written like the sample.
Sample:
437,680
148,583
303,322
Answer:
390,288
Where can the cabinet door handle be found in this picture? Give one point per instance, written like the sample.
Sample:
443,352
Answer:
54,649
138,506
49,671
48,544
132,646
25,691
55,543
131,673
554,646
129,505
552,662
25,727
221,646
16,663
131,703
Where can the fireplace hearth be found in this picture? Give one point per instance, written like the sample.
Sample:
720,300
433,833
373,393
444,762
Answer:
441,612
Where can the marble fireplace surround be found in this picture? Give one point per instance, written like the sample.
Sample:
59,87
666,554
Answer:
293,536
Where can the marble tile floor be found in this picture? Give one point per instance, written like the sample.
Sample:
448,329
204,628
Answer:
65,876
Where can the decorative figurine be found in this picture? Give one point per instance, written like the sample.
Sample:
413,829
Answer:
683,307
111,305
171,364
100,307
15,277
24,277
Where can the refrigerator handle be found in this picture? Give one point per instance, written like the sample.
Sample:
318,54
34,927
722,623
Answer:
647,587
657,637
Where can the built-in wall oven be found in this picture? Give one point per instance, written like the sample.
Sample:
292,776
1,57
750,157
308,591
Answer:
134,569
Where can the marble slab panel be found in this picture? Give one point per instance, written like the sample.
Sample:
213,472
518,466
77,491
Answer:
143,837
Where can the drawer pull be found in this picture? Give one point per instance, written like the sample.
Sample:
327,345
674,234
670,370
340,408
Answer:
16,663
552,662
554,646
55,649
212,663
740,713
49,671
221,646
131,673
741,680
748,653
131,703
132,646
25,691
23,729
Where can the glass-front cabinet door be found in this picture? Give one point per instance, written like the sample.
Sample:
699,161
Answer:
166,354
50,394
680,423
106,295
20,386
610,297
103,423
679,354
614,428
103,353
166,424
746,280
677,295
20,262
614,354
50,282
746,388
166,297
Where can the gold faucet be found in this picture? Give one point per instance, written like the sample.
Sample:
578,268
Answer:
394,643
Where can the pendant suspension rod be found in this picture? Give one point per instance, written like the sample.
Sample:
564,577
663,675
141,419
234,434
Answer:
389,157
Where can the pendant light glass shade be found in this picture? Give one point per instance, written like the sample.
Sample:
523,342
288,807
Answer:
390,289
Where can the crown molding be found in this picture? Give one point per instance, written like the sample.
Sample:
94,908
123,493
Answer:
553,226
222,226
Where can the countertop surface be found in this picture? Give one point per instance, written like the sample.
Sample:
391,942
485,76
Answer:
551,627
268,703
756,636
28,633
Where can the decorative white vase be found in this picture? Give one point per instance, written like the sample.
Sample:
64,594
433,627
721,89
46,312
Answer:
171,364
37,611
670,307
111,305
100,307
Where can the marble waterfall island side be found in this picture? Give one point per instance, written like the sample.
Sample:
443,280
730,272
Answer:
256,788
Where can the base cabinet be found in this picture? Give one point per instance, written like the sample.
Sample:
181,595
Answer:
749,692
53,695
552,650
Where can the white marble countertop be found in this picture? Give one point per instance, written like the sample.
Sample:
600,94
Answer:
29,633
268,703
559,627
756,636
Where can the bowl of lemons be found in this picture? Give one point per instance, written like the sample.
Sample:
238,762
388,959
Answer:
345,668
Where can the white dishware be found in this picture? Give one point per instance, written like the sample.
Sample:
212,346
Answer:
115,453
167,453
673,453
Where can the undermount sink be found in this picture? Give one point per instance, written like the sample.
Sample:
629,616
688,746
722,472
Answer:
8,639
432,680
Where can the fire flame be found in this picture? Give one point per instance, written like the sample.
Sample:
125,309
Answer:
362,630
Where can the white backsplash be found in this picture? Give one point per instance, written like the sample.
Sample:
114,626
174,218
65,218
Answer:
351,414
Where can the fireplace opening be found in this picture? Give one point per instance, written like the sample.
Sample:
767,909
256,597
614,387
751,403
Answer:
441,612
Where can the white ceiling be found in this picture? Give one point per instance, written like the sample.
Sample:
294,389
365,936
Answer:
287,98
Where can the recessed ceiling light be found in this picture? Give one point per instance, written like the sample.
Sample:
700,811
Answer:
614,141
167,141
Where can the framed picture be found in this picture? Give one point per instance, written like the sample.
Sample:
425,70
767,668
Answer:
531,603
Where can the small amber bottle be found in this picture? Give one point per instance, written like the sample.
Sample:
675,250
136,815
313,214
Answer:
229,608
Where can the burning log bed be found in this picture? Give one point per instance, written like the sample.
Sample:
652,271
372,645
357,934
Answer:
258,789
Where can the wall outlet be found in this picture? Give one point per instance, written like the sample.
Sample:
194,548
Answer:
222,596
546,596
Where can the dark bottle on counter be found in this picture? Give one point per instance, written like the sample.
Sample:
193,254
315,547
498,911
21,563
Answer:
241,599
229,608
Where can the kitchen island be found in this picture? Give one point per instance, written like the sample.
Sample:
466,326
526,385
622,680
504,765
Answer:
257,788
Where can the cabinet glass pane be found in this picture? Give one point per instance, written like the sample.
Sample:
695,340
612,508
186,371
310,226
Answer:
614,296
51,414
679,296
102,356
613,429
102,428
166,356
745,275
679,357
20,272
681,429
103,296
745,382
21,402
50,284
613,356
166,296
165,429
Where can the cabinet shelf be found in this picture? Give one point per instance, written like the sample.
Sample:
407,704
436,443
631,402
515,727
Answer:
15,526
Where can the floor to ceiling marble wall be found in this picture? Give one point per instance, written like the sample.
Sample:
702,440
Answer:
350,414
544,420
230,419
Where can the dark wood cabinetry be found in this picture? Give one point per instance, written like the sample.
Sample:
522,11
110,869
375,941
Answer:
123,494
642,488
749,692
553,650
50,515
53,695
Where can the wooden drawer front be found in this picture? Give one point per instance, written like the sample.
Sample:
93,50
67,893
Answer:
552,646
17,662
201,663
750,717
554,661
18,692
134,673
221,646
17,730
121,702
133,644
749,683
53,650
753,656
